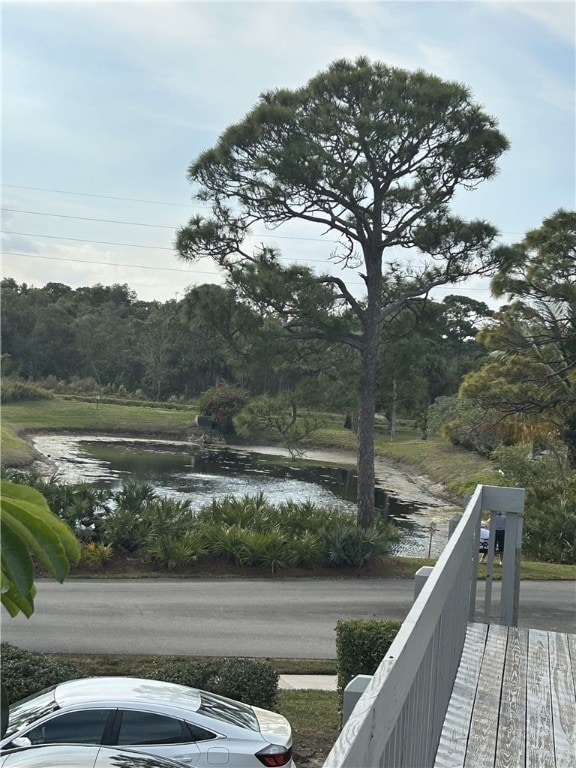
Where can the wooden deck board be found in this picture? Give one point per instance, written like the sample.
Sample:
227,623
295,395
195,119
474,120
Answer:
514,701
563,701
484,725
454,739
539,727
511,742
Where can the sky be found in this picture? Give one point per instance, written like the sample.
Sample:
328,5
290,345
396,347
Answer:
105,105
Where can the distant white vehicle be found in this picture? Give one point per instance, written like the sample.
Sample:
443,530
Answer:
190,726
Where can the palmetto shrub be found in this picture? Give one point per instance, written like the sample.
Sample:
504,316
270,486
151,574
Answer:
550,531
230,543
96,553
269,549
345,545
177,552
141,517
307,550
245,511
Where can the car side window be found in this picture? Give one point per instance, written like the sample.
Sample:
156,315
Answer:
139,728
82,727
196,733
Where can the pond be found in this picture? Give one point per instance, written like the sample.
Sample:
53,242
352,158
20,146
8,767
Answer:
199,475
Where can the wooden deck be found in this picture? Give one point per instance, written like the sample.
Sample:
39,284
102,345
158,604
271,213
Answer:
513,704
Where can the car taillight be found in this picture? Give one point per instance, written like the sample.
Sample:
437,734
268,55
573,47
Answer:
273,755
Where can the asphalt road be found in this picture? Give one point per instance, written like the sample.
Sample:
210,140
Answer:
284,618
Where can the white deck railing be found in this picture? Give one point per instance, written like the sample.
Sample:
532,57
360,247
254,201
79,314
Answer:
398,719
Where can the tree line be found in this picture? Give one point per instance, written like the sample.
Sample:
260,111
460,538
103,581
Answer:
103,339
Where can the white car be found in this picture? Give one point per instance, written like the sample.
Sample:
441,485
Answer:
81,756
191,726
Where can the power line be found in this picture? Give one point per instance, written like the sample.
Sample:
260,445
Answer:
89,262
152,202
158,226
128,245
89,194
105,263
83,240
90,218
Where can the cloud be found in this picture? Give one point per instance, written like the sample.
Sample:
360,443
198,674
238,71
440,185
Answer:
558,17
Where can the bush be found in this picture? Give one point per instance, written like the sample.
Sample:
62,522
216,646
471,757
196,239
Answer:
223,402
17,391
96,553
25,672
346,546
361,644
253,682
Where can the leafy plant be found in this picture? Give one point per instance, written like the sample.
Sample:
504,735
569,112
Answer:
96,553
223,402
307,549
361,644
348,546
29,528
176,552
253,682
26,672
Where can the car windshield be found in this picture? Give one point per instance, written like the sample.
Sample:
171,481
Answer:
29,710
228,711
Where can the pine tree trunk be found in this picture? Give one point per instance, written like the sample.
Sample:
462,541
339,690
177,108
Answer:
366,417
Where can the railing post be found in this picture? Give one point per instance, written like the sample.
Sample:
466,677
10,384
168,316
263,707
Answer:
420,578
352,693
510,501
510,595
453,524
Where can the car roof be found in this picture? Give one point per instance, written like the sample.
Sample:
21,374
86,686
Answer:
104,690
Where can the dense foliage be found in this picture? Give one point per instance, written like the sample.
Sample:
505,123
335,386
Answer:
26,672
361,644
248,532
253,682
211,340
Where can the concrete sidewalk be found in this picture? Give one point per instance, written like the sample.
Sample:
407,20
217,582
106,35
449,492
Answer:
308,682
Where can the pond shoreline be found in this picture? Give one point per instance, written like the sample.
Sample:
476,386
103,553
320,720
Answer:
426,509
390,477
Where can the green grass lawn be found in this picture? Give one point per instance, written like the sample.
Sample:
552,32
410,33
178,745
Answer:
79,416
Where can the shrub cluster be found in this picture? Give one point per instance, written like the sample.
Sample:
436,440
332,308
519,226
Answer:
246,531
253,682
16,391
361,644
25,672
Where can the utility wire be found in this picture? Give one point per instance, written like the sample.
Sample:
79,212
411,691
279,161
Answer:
153,202
158,226
106,263
106,197
168,269
83,240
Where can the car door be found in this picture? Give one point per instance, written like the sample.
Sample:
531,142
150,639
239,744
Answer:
158,734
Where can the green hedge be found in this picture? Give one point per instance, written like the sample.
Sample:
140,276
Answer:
17,391
25,672
253,682
361,644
